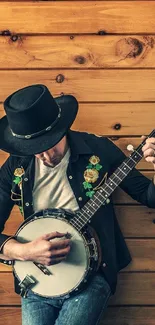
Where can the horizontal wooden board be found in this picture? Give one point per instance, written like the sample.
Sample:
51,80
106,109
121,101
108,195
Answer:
61,17
118,119
13,222
5,268
133,288
135,221
3,157
142,252
122,143
8,315
115,119
129,316
93,51
8,296
114,315
85,85
65,0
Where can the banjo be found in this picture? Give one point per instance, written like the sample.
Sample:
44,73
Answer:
70,275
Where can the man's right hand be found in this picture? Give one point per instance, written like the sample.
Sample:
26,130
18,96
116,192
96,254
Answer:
48,249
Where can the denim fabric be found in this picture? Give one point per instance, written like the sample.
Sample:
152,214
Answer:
83,309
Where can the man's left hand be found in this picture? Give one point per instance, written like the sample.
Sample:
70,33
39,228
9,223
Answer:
149,150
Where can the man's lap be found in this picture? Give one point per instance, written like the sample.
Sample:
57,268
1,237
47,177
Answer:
84,308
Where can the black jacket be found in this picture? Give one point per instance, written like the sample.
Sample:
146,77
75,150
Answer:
83,146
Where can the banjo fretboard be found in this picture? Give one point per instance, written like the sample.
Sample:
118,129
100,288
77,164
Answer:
83,217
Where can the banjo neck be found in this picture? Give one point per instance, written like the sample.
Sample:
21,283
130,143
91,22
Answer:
83,217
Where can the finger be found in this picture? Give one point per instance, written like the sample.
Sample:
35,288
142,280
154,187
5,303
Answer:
53,235
56,260
148,146
150,140
143,137
50,261
149,152
60,252
150,159
60,244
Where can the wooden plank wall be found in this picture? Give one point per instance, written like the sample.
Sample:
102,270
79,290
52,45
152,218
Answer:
103,53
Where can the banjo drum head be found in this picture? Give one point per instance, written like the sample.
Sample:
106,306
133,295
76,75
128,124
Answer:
65,276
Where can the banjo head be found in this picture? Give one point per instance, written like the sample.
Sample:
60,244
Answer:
65,276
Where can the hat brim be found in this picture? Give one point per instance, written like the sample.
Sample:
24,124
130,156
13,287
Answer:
28,147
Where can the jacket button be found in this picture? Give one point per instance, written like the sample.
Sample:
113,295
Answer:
80,198
70,177
25,179
104,265
27,204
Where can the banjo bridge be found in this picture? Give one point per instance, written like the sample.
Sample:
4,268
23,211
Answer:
43,268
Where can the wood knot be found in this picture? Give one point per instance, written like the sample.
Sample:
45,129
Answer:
71,37
80,59
117,126
102,32
14,38
6,33
60,78
129,47
150,41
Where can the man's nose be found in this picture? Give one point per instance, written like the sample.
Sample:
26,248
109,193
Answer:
46,154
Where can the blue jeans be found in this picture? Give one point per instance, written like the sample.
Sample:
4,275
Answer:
83,309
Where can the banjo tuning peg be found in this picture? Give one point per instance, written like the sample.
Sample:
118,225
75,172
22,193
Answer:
130,147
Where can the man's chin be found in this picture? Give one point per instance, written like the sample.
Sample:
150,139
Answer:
48,164
51,164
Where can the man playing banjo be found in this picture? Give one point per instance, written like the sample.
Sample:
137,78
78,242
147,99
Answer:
69,249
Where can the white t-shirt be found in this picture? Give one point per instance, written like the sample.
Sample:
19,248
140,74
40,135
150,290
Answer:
51,187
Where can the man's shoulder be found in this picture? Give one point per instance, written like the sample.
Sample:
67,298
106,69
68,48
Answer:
90,138
16,161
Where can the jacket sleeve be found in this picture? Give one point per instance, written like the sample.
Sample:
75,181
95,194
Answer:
139,187
6,204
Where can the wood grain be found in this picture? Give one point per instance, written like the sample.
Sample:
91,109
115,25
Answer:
8,315
85,85
78,51
61,17
129,316
139,286
117,119
8,296
136,221
143,255
134,289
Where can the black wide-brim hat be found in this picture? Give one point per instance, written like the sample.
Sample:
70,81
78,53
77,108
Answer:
35,121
